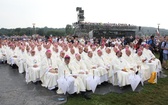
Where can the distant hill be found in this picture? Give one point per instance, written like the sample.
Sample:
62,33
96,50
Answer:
150,31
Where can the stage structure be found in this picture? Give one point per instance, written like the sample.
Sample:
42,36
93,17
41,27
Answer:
89,29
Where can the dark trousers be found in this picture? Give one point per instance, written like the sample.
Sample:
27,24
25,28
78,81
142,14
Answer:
161,56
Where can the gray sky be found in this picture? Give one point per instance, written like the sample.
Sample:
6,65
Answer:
58,13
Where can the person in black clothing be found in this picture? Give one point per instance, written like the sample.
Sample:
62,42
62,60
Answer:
162,40
152,44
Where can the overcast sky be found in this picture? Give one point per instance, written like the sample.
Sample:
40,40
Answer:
58,13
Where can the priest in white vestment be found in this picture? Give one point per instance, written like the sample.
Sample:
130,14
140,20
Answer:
92,67
85,53
13,55
72,54
102,66
123,70
49,71
3,57
60,58
128,56
143,67
21,59
73,81
34,67
154,63
81,69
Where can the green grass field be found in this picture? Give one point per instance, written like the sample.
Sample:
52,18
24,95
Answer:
151,94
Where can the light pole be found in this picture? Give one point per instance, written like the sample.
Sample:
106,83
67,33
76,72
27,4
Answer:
34,28
158,26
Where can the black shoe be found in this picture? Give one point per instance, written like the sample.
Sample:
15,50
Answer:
86,96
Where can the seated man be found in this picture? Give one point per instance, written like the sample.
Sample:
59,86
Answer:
128,56
143,67
13,55
92,67
73,81
21,59
49,71
60,58
81,70
33,69
102,66
123,69
151,58
2,53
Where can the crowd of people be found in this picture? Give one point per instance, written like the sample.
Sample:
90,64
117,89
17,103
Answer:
76,65
106,25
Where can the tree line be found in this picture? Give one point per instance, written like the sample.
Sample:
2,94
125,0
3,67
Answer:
41,31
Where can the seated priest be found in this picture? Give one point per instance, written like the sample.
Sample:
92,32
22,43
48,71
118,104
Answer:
102,66
21,59
49,71
143,67
67,76
13,55
123,69
81,69
3,57
33,68
92,67
156,64
128,56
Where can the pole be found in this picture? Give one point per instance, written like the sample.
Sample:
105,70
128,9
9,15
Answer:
158,26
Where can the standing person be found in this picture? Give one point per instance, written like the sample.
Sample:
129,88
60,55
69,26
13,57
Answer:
152,43
164,46
162,40
137,46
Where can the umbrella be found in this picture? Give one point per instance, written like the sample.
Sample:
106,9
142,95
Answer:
134,80
63,84
71,87
27,77
92,82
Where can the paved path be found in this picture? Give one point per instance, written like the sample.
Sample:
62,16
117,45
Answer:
15,91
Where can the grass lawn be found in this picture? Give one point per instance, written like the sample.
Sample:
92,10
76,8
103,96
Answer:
151,94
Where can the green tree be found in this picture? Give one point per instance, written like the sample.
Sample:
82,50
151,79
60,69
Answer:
40,31
68,29
17,31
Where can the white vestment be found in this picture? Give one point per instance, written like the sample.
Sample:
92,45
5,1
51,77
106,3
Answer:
65,72
144,68
48,79
122,76
33,73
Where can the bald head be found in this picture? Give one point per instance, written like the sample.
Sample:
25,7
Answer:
39,48
99,53
90,54
86,49
78,57
62,54
72,51
128,52
108,50
33,52
119,54
48,53
139,52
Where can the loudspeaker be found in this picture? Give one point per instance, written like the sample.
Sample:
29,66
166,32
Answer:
139,28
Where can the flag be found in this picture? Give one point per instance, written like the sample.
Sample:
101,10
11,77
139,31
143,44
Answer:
157,32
